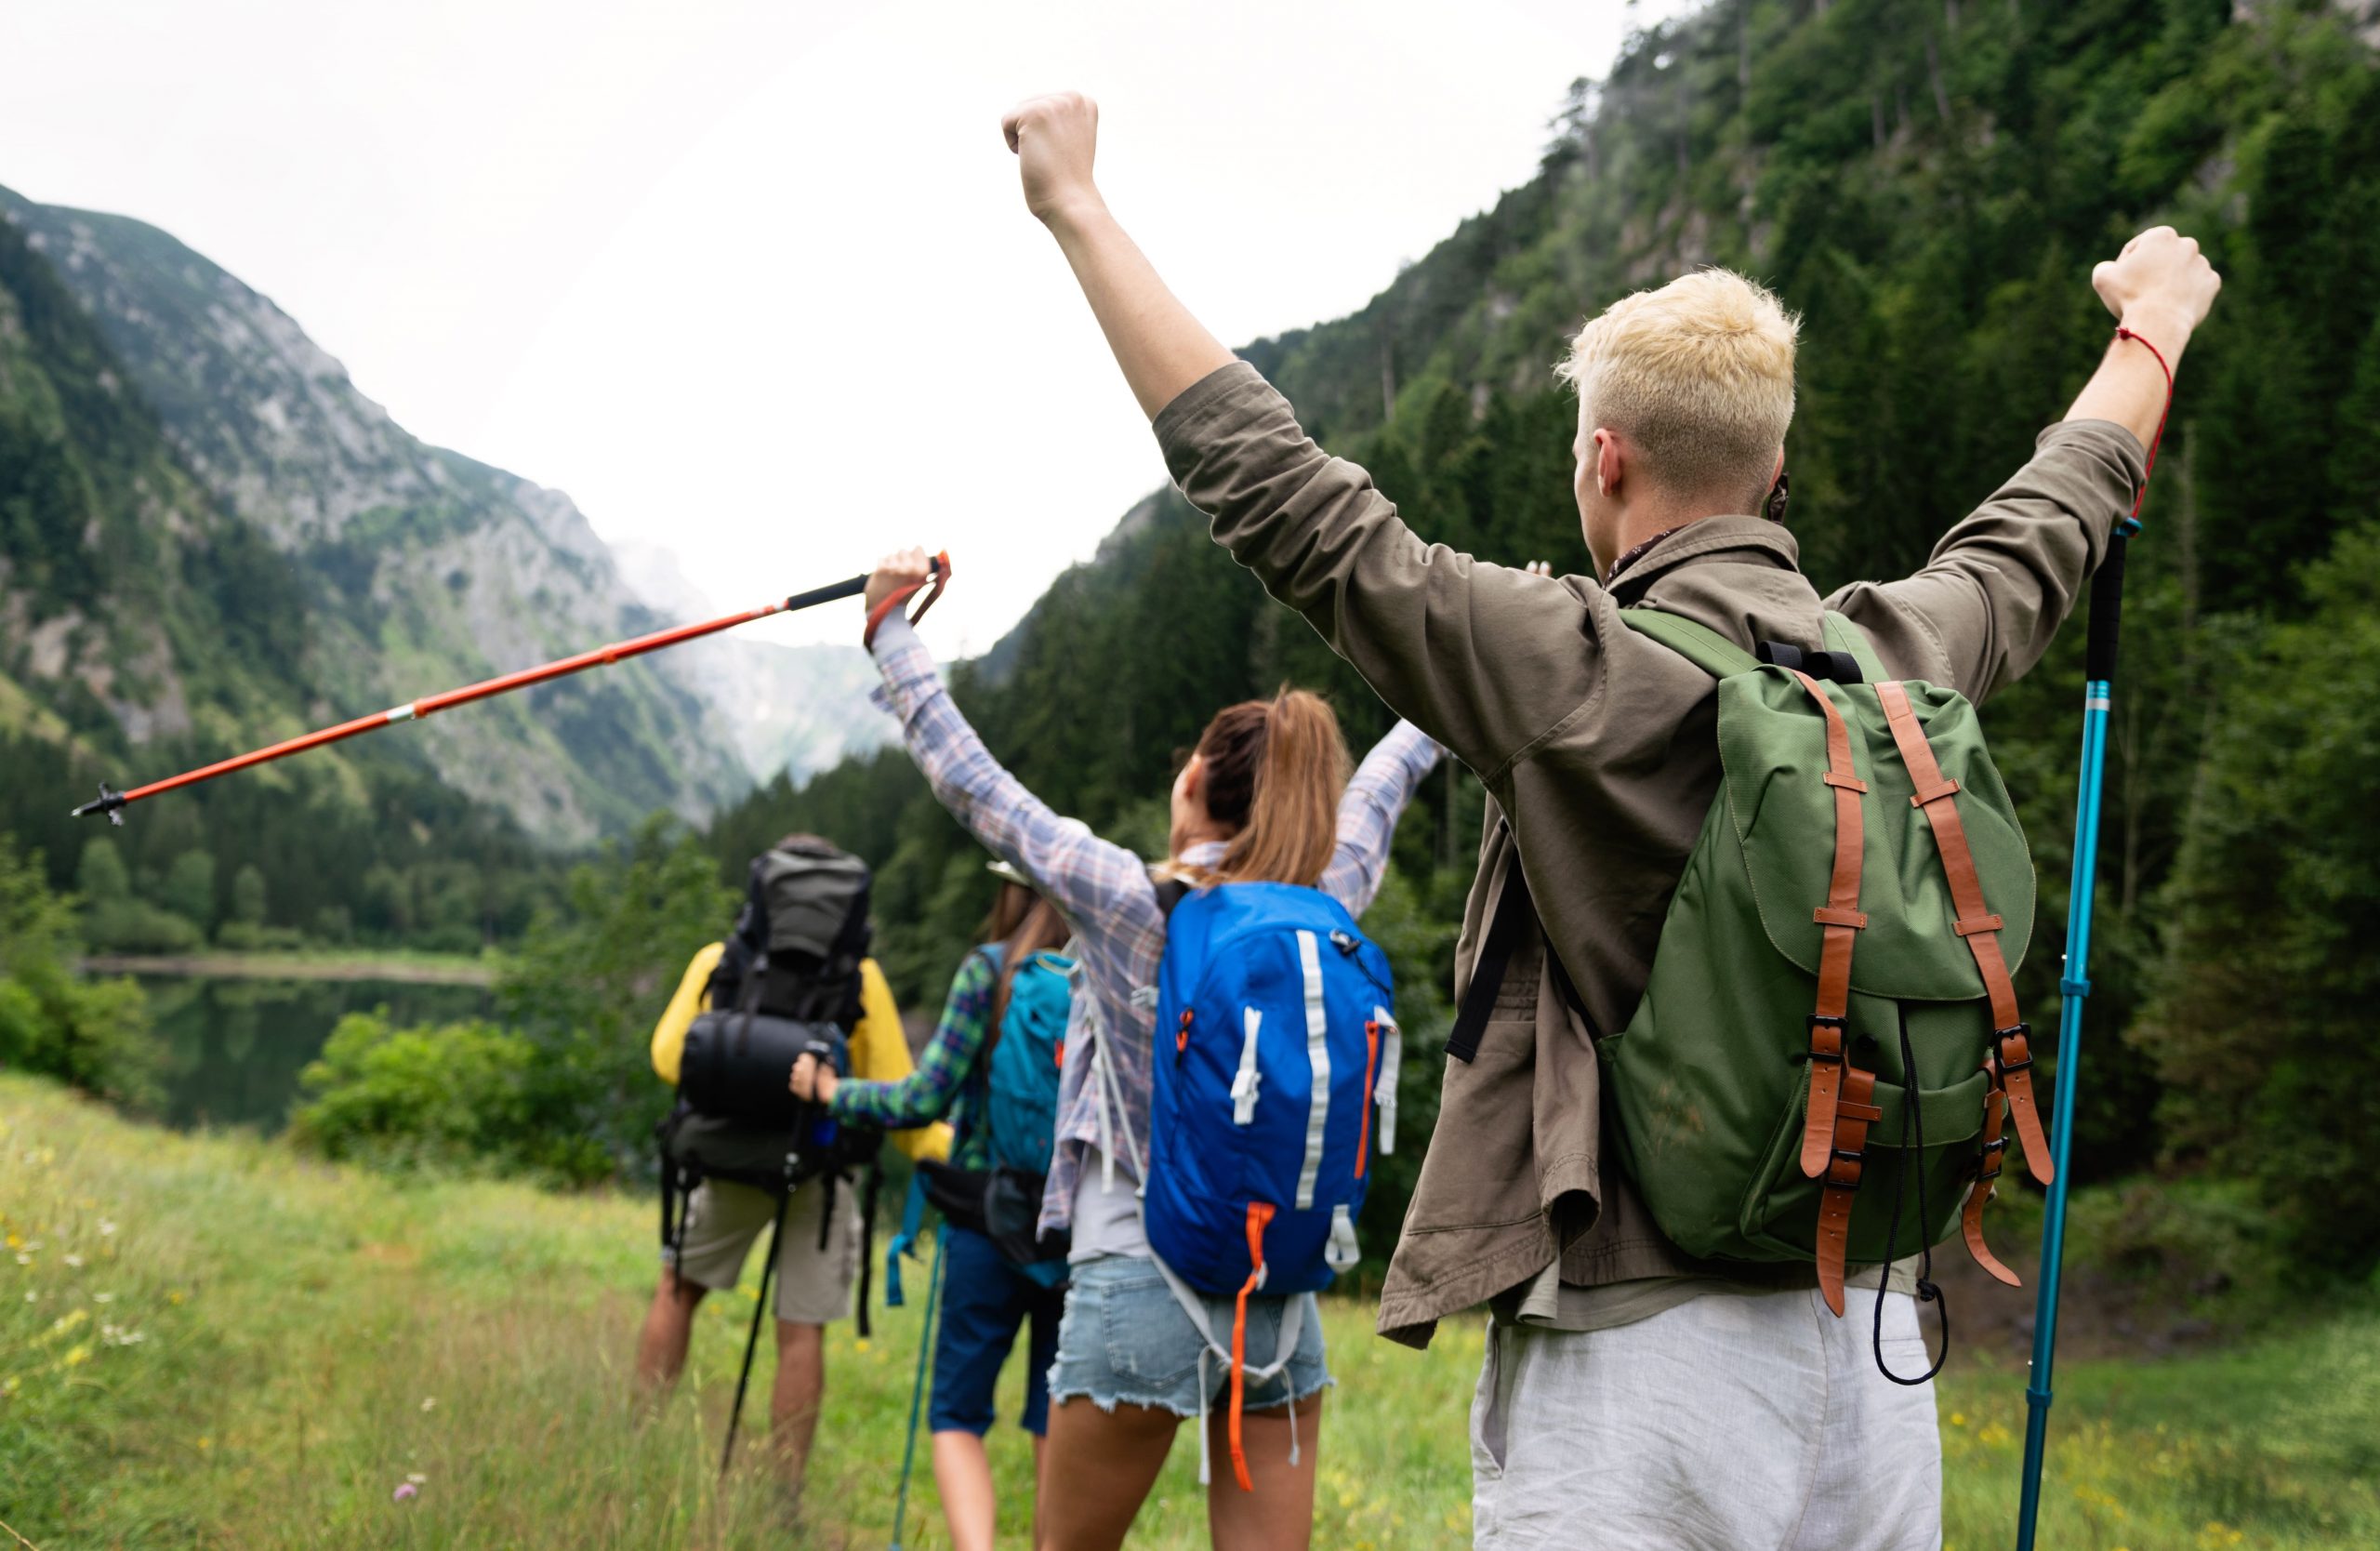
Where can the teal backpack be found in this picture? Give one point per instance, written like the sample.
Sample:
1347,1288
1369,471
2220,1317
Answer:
1828,1044
1019,1107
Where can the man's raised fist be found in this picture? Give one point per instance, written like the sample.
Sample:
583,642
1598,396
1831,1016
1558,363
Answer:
1055,139
2160,284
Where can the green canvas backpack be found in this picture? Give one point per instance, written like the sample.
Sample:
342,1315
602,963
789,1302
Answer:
1829,1043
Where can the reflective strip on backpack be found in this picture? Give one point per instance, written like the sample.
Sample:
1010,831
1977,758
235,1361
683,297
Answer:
1391,1057
1317,1052
1342,1252
1243,1086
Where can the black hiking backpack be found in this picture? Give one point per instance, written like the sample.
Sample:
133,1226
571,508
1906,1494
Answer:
788,985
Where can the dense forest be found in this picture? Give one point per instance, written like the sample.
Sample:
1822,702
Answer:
1928,184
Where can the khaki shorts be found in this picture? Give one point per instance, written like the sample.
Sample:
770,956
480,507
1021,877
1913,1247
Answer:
813,1286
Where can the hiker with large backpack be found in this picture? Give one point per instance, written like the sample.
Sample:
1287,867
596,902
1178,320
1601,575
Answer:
743,1156
1230,1066
1737,1034
993,1066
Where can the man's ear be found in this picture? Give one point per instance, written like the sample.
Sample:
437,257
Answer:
1608,463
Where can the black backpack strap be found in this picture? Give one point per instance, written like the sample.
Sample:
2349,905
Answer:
1515,917
867,1243
1169,893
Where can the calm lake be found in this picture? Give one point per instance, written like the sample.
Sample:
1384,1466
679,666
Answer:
235,1048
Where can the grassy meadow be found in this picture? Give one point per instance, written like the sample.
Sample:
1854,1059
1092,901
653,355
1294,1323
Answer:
210,1340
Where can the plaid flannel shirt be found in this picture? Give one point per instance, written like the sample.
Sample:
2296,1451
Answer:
938,1085
1108,896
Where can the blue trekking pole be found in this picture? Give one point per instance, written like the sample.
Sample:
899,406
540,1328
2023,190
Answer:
2074,983
925,1347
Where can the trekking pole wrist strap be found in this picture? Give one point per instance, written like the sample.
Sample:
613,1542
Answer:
939,577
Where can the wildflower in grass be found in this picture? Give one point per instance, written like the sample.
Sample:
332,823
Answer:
418,1478
177,1297
1958,1419
76,1355
23,1259
103,1297
406,1490
76,1261
429,1402
32,1297
107,1228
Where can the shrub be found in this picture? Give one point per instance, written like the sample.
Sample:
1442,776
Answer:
94,1034
440,1094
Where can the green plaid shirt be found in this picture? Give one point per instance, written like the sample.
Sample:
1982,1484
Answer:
939,1087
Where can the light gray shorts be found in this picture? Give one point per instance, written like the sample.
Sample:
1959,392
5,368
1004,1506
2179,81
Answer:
1735,1419
813,1286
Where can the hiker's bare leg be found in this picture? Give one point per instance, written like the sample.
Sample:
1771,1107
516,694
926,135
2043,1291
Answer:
1277,1515
793,1406
1041,1479
962,1472
668,1325
1107,1461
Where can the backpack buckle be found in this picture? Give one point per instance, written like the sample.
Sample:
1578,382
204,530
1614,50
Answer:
1827,1020
1856,1159
2000,1038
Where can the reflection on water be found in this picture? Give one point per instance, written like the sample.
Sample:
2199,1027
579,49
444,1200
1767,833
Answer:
235,1048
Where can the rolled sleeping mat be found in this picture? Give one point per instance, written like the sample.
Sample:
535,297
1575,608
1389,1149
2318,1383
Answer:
736,1064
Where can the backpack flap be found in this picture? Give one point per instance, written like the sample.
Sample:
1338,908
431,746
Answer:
1772,743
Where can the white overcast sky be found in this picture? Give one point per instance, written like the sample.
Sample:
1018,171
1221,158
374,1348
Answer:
753,281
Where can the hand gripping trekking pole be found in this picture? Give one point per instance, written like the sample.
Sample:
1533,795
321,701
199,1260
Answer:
2074,984
111,802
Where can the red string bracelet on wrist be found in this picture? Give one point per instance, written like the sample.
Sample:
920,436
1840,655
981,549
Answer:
2157,440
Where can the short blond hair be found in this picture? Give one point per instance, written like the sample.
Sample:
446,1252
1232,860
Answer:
1700,374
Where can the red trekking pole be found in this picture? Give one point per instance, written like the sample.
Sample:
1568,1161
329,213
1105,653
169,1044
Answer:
112,803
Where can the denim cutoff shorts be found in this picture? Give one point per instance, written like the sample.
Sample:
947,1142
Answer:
1125,1340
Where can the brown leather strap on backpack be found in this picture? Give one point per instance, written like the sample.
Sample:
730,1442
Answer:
1996,1146
2010,1035
1847,1159
1842,919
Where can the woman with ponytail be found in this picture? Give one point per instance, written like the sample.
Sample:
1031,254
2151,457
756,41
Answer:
986,1300
1266,797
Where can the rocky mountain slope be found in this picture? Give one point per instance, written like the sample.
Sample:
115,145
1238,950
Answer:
413,567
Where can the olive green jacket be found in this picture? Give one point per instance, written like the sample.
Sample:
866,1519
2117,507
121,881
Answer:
1597,744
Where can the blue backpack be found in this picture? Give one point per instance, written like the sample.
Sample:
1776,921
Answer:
1020,1110
1276,1035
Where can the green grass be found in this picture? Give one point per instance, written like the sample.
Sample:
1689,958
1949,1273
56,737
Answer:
304,1337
